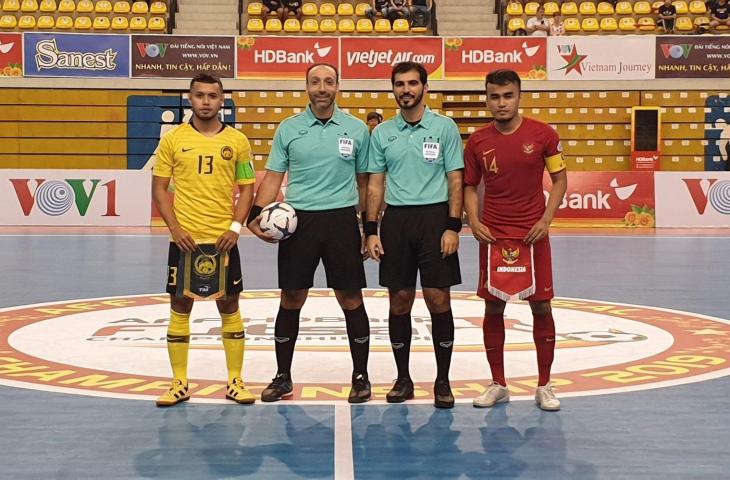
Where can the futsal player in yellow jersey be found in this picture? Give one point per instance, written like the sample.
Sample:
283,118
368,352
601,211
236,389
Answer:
206,159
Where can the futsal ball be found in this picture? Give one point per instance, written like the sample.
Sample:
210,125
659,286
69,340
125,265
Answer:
278,220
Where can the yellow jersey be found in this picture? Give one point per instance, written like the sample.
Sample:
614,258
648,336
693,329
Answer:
205,171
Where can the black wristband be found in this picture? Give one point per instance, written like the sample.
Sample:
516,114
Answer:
454,224
255,212
370,228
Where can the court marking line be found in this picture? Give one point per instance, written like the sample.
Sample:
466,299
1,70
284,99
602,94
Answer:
344,462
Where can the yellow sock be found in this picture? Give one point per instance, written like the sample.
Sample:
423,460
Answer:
234,343
178,341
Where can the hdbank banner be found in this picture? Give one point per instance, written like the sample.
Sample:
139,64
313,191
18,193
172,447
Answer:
472,58
11,55
283,57
689,199
75,197
372,58
688,57
76,55
182,56
601,58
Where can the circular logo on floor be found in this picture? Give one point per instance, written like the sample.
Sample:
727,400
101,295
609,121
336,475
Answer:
116,347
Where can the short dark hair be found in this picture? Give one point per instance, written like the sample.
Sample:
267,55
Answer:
323,64
503,77
206,78
404,67
375,115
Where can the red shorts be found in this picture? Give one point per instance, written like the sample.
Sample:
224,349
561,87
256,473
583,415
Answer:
542,264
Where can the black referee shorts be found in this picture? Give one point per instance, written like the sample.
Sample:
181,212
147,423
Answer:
332,236
234,280
411,238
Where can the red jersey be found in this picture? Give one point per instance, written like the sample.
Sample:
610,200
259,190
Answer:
512,167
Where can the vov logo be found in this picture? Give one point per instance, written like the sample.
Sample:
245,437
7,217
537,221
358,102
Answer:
712,191
56,197
152,50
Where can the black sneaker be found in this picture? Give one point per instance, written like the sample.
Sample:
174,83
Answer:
401,391
279,388
360,391
442,397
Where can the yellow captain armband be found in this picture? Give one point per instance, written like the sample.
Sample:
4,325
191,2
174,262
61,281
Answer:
555,163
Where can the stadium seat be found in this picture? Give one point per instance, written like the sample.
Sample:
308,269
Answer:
255,25
531,8
82,23
26,22
569,8
681,7
46,22
605,8
327,10
158,8
66,6
346,25
310,25
140,8
361,8
587,8
47,6
642,8
29,6
655,5
627,24
8,22
345,9
514,9
571,24
309,9
551,8
697,7
702,22
137,24
589,24
382,25
122,7
292,25
157,24
608,24
515,24
364,25
64,22
646,24
273,25
11,6
255,8
103,6
683,24
120,23
400,25
624,8
85,6
101,23
327,25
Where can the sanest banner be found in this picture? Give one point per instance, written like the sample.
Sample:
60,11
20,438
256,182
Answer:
76,55
373,58
284,57
471,58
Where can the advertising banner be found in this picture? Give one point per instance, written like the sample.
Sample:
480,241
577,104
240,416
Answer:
606,198
76,55
182,56
692,199
373,58
689,57
11,55
628,57
75,197
283,57
470,58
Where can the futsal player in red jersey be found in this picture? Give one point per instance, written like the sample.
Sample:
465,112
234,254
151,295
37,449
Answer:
510,155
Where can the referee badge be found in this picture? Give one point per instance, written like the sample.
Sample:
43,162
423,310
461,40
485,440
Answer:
227,153
346,147
431,151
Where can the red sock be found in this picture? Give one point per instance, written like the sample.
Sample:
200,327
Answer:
493,328
543,333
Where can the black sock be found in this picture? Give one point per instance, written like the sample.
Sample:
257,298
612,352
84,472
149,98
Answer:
358,333
442,331
399,327
286,330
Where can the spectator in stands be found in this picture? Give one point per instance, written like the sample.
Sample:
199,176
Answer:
538,26
398,9
373,120
557,28
275,7
379,6
720,14
667,15
292,7
420,13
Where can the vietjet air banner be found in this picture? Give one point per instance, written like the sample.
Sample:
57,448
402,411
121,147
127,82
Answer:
471,58
75,197
689,199
372,58
283,57
606,198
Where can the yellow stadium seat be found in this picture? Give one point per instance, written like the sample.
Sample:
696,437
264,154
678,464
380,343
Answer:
255,8
346,25
531,8
627,24
571,24
82,23
140,8
361,8
85,6
64,22
120,23
364,25
122,7
551,8
29,6
642,8
158,8
309,9
702,22
103,6
292,25
569,8
310,25
382,25
255,25
66,6
681,7
608,24
26,22
697,7
327,25
589,24
400,25
587,8
157,24
47,6
345,9
101,23
646,24
46,22
605,8
327,10
138,23
514,9
683,24
655,5
8,21
624,8
273,25
11,6
516,24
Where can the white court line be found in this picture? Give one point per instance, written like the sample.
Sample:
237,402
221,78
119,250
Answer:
344,464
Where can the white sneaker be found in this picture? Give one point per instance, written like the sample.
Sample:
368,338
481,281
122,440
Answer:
495,393
545,398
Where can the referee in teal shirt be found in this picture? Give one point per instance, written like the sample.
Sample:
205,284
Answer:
324,150
422,155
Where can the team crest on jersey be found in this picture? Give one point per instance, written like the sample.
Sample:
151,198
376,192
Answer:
510,255
227,153
528,148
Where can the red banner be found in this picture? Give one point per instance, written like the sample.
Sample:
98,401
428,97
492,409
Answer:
283,57
373,58
607,198
473,58
11,55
